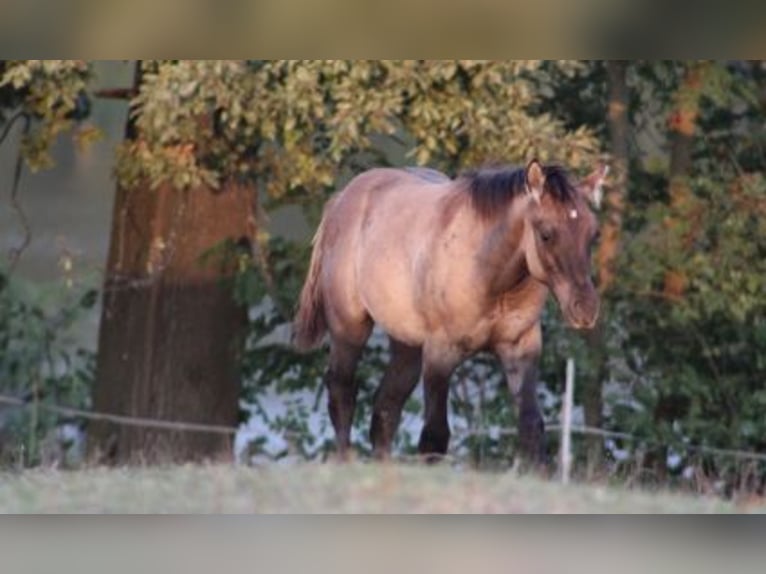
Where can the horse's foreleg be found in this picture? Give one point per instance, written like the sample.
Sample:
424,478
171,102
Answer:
520,361
522,382
342,389
437,368
398,382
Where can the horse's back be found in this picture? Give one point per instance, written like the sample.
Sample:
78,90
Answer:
402,207
387,199
428,174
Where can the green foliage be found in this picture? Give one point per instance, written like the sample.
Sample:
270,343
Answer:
294,125
705,352
50,96
40,364
684,370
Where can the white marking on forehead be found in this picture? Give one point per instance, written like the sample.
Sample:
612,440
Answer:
573,214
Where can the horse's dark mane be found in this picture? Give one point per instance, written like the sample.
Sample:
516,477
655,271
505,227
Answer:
493,189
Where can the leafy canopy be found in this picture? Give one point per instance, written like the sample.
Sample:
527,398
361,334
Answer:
297,124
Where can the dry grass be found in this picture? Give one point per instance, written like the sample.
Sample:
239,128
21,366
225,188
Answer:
327,488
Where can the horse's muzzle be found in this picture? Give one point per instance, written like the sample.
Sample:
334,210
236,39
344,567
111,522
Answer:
583,313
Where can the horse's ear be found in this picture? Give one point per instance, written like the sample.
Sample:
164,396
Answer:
593,185
535,179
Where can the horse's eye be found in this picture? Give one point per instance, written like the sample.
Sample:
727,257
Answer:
546,235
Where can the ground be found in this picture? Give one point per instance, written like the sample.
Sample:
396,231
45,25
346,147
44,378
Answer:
327,488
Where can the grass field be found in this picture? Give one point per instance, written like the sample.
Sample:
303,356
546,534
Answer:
326,488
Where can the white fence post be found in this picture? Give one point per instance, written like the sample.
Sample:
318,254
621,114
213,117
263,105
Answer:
566,423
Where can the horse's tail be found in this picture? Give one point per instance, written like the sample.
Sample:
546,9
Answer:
310,323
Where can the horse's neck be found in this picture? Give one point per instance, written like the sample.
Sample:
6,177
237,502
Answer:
527,297
511,287
501,261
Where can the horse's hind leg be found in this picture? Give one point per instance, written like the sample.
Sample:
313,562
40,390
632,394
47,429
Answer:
398,382
342,390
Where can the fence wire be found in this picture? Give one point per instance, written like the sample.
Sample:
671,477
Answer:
182,426
121,419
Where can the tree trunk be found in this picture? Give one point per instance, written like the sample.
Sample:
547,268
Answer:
619,124
171,333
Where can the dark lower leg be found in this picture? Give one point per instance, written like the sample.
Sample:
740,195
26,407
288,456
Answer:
398,382
342,390
521,376
434,439
531,424
520,359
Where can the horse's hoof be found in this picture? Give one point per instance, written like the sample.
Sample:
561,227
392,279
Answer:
432,458
344,457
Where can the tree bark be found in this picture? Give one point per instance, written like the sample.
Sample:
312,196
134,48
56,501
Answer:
171,333
611,227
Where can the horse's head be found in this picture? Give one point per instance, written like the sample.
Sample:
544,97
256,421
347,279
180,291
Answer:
560,230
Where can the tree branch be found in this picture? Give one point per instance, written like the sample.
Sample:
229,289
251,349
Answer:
9,125
116,93
16,252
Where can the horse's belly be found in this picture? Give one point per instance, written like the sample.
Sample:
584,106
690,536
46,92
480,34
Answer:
393,306
409,332
388,299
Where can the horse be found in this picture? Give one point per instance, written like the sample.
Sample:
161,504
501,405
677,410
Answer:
447,268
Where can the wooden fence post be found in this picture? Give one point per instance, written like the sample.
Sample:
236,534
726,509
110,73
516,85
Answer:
566,423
